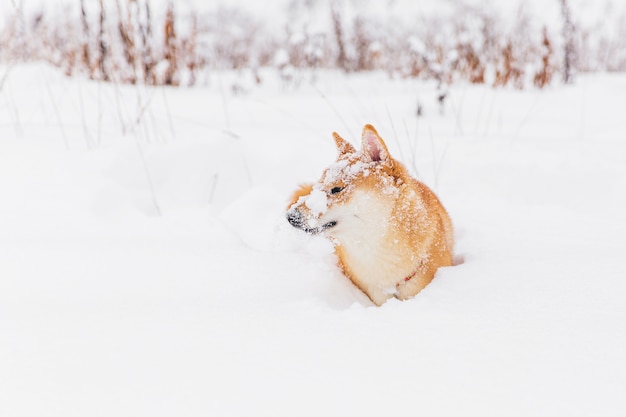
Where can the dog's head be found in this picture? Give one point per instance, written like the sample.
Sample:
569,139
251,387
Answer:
354,193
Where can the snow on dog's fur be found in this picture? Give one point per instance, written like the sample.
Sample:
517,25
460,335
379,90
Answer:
390,231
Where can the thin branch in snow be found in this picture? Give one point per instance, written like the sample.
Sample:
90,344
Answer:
57,113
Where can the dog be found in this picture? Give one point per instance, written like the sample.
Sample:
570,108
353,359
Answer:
390,231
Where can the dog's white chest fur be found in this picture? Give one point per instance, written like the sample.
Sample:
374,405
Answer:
369,252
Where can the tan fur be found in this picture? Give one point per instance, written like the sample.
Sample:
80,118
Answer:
391,233
304,190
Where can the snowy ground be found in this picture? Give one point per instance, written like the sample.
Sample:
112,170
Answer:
216,307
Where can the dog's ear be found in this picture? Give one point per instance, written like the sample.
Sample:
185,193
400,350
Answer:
343,145
374,148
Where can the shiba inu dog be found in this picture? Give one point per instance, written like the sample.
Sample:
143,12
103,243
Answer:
391,233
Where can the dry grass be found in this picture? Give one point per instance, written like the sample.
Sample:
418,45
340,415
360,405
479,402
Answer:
129,43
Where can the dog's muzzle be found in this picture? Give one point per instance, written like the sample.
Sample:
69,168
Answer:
294,217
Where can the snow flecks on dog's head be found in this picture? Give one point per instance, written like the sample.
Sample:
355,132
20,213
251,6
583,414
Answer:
356,179
317,201
345,169
372,158
372,163
351,163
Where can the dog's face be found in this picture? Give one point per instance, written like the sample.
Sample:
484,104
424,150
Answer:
354,195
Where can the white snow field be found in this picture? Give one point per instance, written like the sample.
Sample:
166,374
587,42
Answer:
146,268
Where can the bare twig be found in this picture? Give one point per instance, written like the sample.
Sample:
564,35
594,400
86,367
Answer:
86,132
55,106
144,164
102,44
333,108
86,36
5,76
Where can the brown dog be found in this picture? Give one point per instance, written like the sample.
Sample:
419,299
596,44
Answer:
390,231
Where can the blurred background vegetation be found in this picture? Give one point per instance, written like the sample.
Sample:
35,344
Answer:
158,43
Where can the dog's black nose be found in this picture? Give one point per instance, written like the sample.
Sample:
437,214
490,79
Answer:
294,218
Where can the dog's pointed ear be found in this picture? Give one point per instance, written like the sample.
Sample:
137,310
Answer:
343,146
374,147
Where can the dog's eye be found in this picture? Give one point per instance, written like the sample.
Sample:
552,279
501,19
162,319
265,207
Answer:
336,190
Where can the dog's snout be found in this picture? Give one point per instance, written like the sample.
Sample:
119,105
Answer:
294,218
